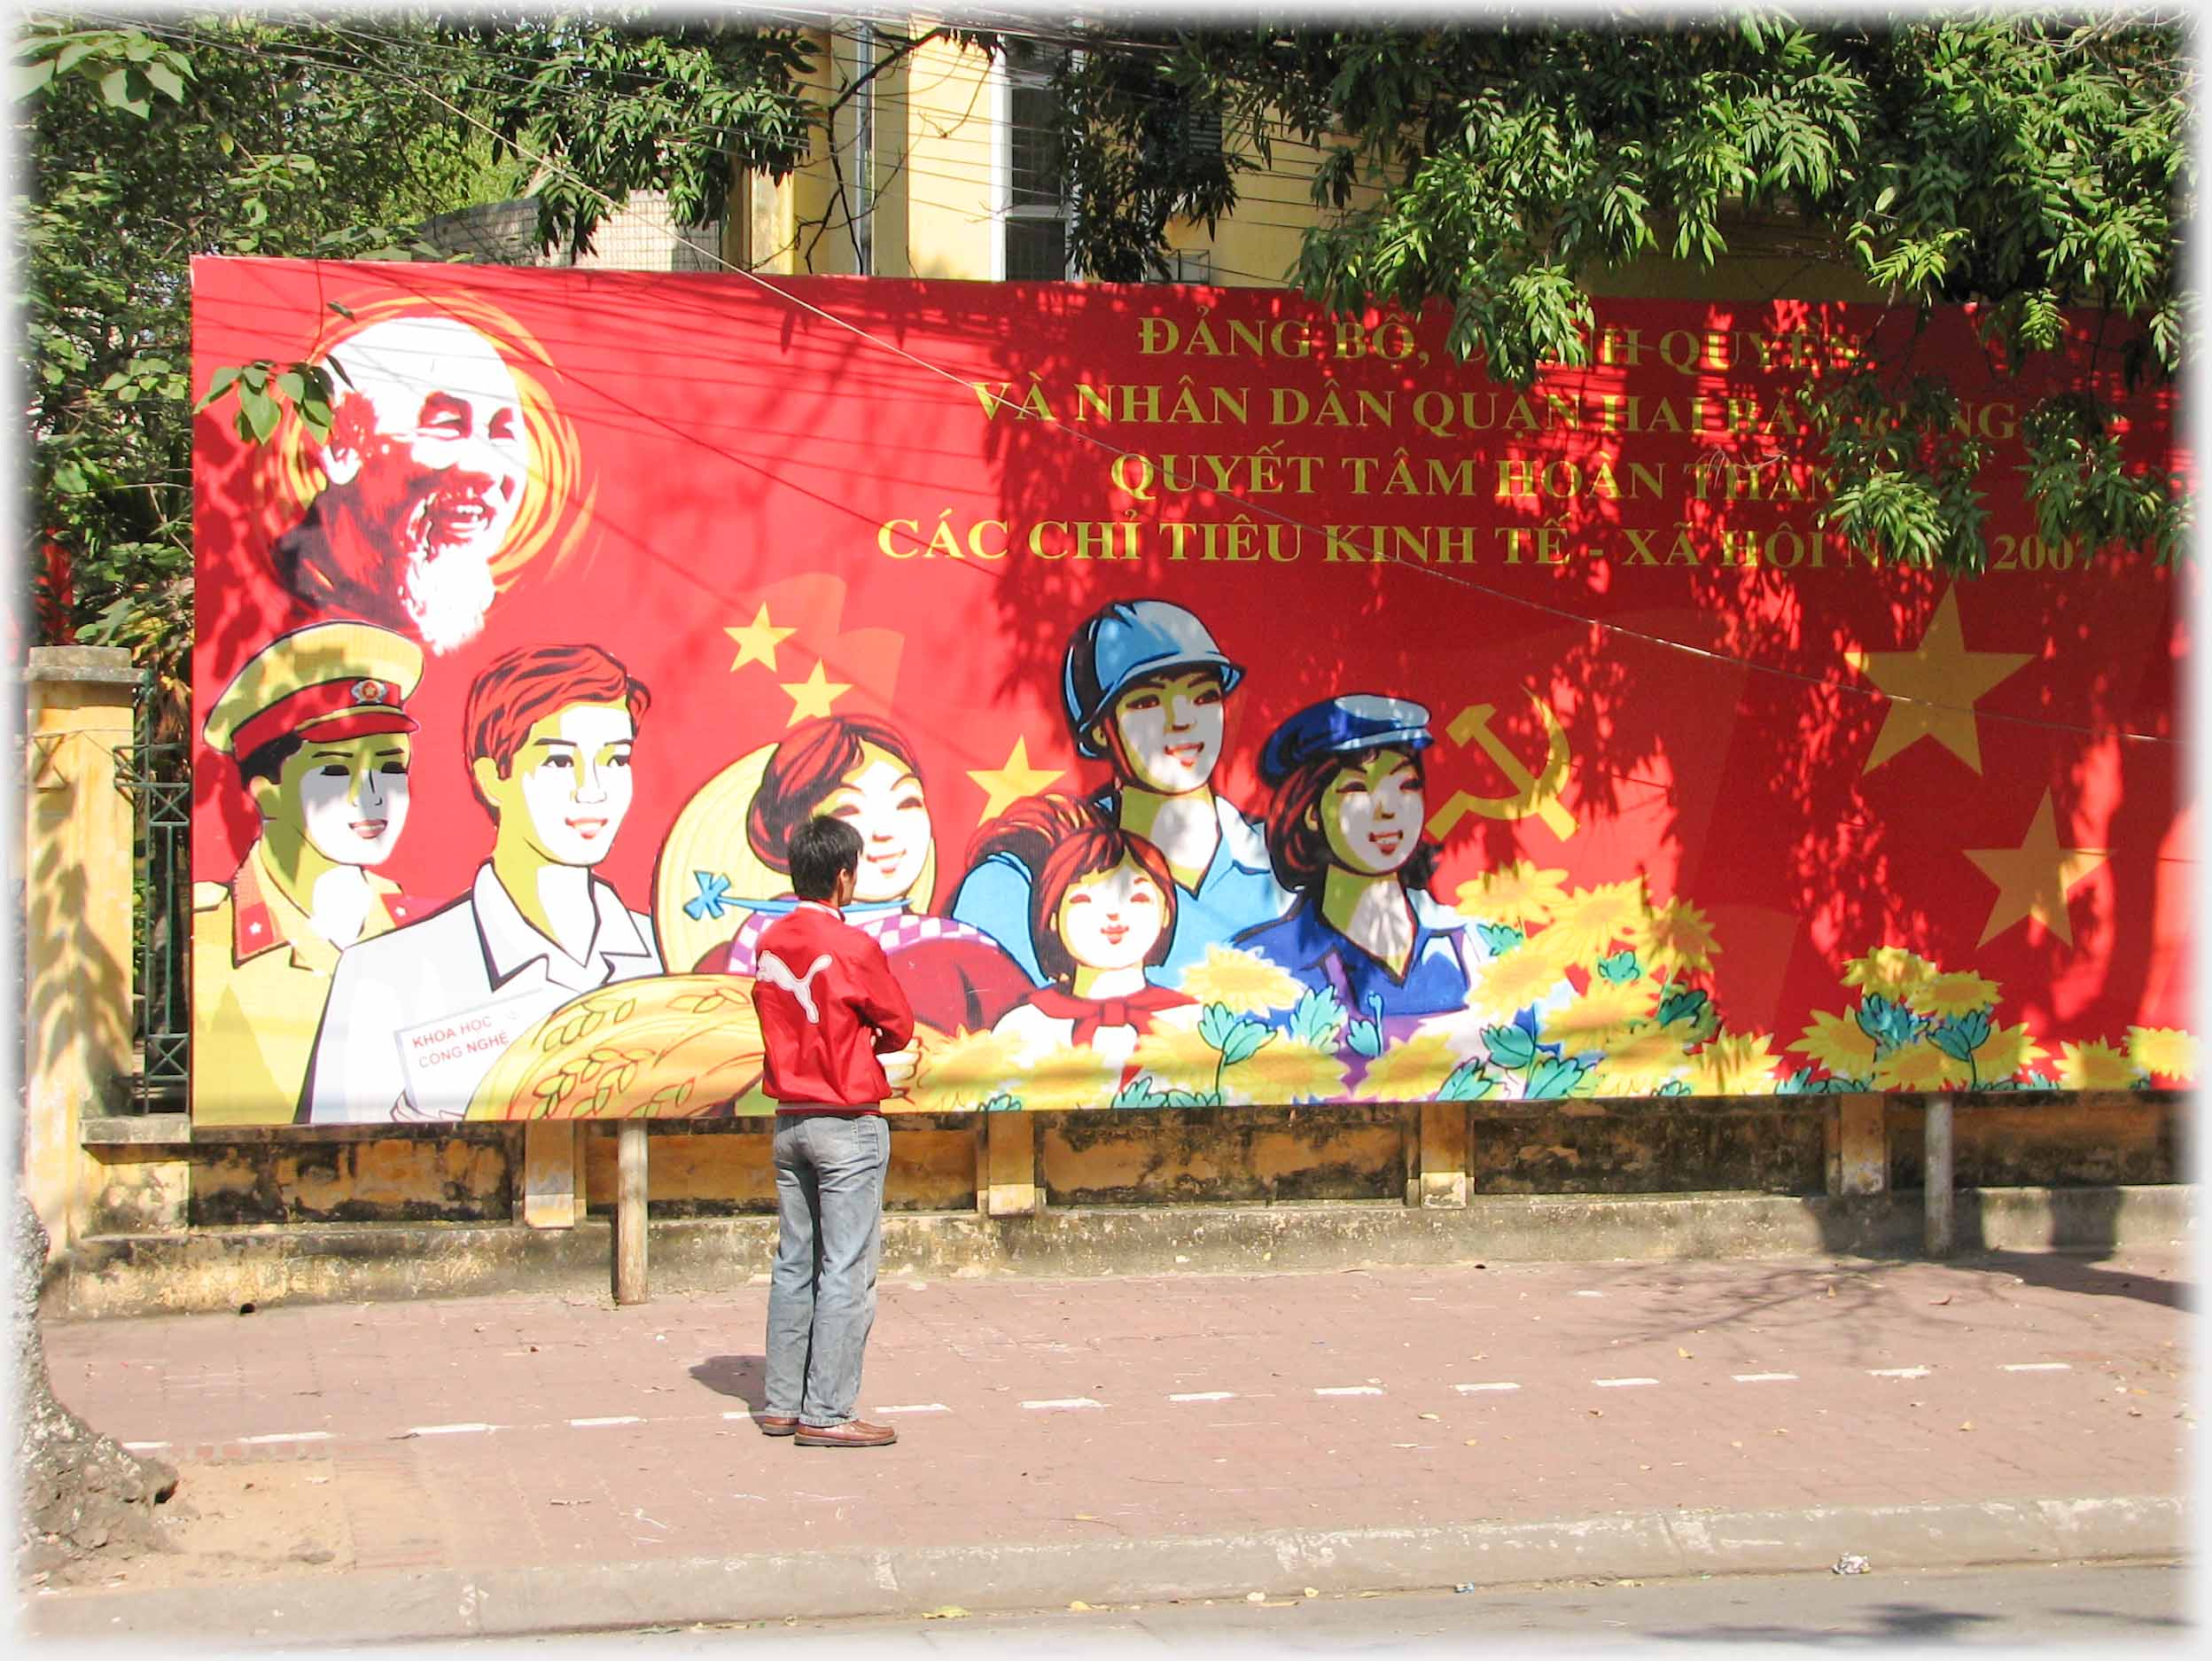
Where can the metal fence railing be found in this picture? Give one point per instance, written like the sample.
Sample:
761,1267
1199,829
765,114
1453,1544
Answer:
159,778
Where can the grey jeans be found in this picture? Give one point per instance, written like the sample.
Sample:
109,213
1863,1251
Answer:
822,1294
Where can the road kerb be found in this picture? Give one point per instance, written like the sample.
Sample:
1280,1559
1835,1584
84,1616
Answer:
444,1604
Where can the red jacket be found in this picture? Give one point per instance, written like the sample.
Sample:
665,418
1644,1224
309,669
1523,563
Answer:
827,1003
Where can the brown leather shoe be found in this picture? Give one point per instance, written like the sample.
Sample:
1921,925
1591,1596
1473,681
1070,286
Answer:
851,1433
775,1424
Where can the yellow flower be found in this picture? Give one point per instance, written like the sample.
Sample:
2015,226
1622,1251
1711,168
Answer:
2095,1065
1638,1063
1890,971
1673,936
1838,1044
1526,975
1734,1064
1411,1072
1918,1065
1248,984
2164,1051
1516,893
1288,1072
2009,1049
962,1071
1179,1059
1593,918
1958,994
1068,1077
1604,1010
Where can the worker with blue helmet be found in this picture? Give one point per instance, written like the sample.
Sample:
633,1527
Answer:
1143,685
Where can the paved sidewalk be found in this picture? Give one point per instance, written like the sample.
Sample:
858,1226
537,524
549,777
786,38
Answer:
1393,1427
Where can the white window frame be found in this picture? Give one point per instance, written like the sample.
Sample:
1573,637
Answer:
1003,212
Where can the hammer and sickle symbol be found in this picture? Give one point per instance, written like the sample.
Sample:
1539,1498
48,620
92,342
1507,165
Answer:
1535,794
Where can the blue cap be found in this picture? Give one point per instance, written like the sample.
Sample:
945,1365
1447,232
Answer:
1358,721
1126,641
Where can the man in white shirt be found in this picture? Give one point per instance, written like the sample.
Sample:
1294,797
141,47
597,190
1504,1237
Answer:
414,1025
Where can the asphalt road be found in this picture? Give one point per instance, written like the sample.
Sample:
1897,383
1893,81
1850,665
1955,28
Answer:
2126,1607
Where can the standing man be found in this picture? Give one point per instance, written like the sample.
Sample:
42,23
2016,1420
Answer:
829,1008
317,723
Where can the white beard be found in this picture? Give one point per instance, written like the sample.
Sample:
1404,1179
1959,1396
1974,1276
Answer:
446,596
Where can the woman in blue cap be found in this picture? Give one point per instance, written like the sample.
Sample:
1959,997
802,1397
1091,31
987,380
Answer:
1345,830
1143,685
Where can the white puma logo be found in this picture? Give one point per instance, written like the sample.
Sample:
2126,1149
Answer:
777,972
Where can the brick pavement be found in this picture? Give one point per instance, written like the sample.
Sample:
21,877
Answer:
517,1431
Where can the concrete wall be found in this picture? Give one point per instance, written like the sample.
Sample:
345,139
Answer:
942,1164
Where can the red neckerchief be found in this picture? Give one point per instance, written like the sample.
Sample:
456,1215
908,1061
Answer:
1090,1014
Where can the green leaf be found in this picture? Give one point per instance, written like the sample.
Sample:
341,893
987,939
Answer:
218,384
259,411
1510,1047
1317,1019
1552,1077
1247,1040
167,82
1467,1083
116,89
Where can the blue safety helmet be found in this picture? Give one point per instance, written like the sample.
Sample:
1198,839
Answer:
1126,641
1340,726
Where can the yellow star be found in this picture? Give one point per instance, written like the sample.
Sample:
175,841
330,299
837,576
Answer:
757,641
1005,786
1938,671
813,695
2032,879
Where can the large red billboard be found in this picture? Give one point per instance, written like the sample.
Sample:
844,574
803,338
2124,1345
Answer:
1237,704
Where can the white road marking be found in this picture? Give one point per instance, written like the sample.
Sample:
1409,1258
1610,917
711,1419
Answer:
620,1418
1469,1389
1900,1372
144,1447
1063,1401
1763,1378
2038,1366
918,1407
1205,1395
1621,1383
1348,1390
1589,1294
446,1429
286,1436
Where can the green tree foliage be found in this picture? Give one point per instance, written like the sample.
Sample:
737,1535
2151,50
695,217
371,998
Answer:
151,142
149,145
2028,163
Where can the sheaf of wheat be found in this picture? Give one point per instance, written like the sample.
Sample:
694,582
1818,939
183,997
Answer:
669,1047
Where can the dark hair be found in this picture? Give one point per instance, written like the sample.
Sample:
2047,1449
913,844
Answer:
1299,850
820,850
809,764
1062,841
267,761
531,683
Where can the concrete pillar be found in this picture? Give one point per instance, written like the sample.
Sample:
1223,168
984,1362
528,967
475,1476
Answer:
629,1212
1010,1165
1938,1166
1444,1148
1862,1158
552,1173
76,909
